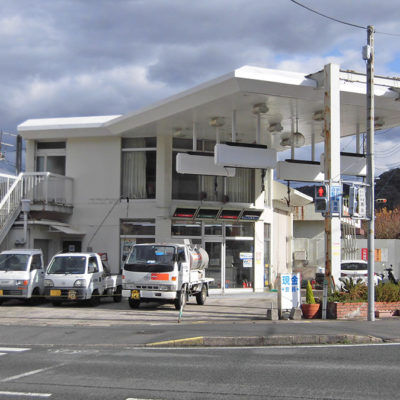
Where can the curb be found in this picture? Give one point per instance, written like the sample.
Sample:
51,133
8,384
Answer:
286,340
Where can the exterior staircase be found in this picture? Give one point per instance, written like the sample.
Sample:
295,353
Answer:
46,192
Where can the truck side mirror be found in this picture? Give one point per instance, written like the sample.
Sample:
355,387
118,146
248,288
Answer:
91,269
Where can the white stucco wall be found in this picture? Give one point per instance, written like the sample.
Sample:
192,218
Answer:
94,164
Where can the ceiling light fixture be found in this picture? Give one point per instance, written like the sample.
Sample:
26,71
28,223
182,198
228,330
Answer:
318,115
275,127
296,139
260,108
217,122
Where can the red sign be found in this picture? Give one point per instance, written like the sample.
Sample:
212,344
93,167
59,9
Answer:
364,254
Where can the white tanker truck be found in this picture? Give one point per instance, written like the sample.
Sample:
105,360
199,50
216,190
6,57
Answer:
165,273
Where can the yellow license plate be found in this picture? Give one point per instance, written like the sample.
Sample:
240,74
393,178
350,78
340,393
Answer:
1,292
54,292
72,295
135,294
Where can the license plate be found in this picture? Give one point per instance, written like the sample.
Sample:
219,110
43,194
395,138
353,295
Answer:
54,292
135,294
72,295
1,292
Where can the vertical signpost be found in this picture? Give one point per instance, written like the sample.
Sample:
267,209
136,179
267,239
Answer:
289,292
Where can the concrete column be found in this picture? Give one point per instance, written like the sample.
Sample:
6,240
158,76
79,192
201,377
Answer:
163,188
332,165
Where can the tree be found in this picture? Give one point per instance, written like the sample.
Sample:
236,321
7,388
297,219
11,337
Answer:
387,224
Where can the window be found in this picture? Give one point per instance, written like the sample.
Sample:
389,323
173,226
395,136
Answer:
239,189
135,231
50,157
138,168
93,267
36,262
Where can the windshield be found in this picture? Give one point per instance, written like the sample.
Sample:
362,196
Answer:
13,262
151,258
67,265
351,266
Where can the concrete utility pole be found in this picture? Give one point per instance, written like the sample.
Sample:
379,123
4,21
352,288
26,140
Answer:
368,55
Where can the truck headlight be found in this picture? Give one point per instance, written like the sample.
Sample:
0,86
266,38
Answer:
48,283
20,282
80,283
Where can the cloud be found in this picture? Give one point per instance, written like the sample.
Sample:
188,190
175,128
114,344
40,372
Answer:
74,57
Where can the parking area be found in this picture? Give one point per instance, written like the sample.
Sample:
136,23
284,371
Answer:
228,308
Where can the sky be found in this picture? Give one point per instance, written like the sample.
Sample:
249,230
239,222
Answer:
63,58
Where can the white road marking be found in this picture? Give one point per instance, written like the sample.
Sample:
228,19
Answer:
36,371
14,349
26,394
2,354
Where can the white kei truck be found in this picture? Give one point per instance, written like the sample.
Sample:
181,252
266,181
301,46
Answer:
80,277
165,273
21,275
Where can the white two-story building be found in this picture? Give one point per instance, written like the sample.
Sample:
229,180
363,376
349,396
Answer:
104,183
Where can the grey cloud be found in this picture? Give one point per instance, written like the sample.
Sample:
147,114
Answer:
179,43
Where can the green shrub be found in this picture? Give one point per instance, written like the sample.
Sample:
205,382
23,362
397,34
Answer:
309,294
387,291
356,291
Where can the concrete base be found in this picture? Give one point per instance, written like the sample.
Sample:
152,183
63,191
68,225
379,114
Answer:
272,314
295,314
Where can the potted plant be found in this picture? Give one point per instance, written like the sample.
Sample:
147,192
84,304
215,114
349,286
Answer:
311,307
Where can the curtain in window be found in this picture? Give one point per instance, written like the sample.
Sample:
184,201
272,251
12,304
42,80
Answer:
240,188
134,174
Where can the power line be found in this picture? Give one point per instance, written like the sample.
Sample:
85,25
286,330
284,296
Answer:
327,16
341,21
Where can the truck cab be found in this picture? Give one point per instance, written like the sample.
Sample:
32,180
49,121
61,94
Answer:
80,277
21,275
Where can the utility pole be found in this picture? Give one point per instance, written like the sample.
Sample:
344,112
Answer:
368,55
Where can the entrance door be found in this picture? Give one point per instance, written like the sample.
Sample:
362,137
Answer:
214,250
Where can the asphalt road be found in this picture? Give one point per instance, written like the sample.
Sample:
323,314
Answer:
124,372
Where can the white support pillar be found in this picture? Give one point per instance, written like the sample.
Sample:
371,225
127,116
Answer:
332,166
233,126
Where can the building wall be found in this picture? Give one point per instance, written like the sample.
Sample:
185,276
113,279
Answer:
94,164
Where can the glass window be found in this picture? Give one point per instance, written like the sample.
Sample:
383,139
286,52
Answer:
36,262
138,227
240,188
186,229
56,164
234,230
139,143
138,168
213,230
195,187
50,145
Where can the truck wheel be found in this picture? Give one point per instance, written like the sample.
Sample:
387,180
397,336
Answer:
94,301
180,299
118,295
201,297
134,303
35,299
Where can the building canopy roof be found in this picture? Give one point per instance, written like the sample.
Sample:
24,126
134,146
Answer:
294,102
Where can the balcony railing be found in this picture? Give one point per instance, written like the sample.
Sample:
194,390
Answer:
47,188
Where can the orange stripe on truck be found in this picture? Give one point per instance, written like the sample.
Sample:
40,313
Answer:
160,277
